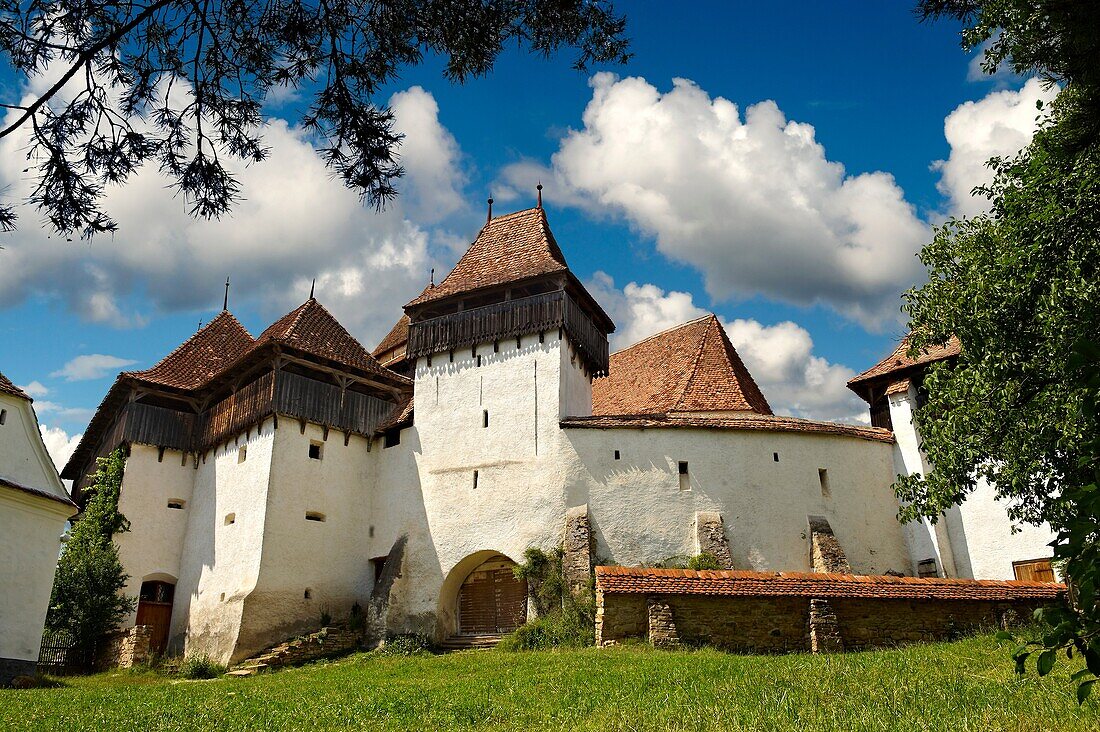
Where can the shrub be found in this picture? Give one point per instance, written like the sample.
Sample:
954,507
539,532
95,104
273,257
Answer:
407,644
704,561
570,627
201,667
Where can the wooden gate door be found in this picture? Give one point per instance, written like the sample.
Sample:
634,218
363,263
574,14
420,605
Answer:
492,600
155,610
1035,570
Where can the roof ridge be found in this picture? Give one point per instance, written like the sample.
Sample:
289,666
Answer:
663,332
189,339
711,320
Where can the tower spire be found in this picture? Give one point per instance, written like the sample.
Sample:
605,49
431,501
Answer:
539,189
225,302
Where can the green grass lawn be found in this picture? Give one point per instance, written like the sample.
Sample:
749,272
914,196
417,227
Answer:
967,685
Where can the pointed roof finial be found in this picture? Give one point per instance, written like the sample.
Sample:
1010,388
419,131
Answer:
311,288
225,302
490,216
431,278
539,189
200,326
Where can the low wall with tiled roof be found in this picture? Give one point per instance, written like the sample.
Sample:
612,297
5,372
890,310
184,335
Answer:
771,611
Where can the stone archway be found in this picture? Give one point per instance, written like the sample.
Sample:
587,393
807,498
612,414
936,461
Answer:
482,596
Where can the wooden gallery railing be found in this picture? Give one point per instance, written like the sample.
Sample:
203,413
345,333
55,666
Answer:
279,392
510,319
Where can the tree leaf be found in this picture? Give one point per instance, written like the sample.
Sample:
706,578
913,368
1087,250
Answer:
1046,662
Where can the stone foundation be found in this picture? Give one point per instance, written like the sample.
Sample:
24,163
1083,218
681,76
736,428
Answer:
10,668
710,533
783,624
126,648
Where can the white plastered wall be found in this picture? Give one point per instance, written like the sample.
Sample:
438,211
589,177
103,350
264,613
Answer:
30,531
975,540
221,561
153,546
641,515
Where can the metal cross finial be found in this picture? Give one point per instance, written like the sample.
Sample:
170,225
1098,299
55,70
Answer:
490,217
225,302
431,278
311,288
539,189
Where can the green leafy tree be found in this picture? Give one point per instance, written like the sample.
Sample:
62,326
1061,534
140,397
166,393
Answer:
87,599
181,84
1020,287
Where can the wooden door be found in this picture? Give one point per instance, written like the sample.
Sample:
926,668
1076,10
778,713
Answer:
492,600
1034,570
155,610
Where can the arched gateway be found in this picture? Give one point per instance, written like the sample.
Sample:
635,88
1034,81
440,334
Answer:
491,600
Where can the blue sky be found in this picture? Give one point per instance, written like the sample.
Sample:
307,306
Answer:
869,86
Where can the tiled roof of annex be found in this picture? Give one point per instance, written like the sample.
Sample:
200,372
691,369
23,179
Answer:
692,367
734,583
898,360
7,387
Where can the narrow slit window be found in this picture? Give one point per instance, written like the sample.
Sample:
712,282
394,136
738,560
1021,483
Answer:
316,449
314,516
685,479
3,416
823,478
775,456
479,360
475,480
230,518
308,594
242,454
176,503
616,454
485,418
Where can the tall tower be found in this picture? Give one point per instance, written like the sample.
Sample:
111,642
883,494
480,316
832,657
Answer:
510,339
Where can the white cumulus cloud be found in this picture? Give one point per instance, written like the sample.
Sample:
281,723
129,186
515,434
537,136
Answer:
296,223
35,389
780,356
91,366
747,197
59,444
1000,124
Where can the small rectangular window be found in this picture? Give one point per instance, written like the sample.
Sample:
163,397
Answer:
775,456
3,416
823,478
315,450
685,479
485,418
176,503
475,480
242,454
314,516
683,467
616,454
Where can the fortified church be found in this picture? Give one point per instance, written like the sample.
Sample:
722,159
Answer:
274,478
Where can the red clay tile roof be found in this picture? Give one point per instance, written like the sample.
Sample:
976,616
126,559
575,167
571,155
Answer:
690,368
6,387
401,418
397,336
509,248
898,360
312,329
6,483
745,421
732,583
202,356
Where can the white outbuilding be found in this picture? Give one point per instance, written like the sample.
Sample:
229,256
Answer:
34,507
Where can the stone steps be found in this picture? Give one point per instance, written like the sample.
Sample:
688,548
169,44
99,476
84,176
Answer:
470,642
325,643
